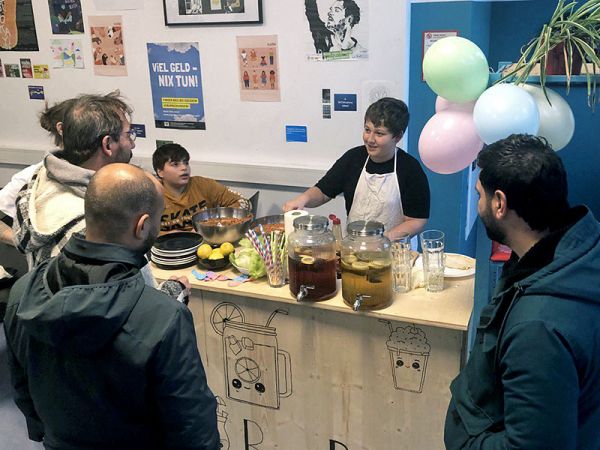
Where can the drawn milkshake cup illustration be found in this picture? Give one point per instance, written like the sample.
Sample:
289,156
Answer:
9,34
409,352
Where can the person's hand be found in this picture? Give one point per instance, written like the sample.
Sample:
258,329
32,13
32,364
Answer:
186,283
295,203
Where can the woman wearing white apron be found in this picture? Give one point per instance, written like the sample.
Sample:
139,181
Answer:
379,181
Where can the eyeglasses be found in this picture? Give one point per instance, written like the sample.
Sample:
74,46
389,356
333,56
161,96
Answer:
132,134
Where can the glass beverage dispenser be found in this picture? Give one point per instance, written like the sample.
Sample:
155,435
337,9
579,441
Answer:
311,259
366,266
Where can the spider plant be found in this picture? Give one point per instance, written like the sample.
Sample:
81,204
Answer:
578,28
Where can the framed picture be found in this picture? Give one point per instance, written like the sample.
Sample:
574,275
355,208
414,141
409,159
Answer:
212,12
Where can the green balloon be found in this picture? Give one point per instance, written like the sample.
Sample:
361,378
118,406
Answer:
456,69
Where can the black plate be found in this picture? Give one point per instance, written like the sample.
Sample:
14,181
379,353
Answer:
179,241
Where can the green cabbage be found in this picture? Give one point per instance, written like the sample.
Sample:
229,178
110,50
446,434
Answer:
245,257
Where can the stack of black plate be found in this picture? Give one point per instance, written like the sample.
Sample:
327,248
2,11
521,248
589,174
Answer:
176,250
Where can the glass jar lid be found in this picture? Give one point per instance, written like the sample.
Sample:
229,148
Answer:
365,228
311,222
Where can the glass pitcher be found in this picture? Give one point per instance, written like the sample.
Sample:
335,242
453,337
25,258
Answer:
311,259
366,266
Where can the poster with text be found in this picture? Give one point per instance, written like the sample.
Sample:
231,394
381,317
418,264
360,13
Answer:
337,30
107,45
17,27
66,54
66,16
176,85
258,61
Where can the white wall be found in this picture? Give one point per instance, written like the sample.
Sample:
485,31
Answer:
246,133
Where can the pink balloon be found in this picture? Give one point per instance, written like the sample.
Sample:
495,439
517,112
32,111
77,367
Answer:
442,104
449,142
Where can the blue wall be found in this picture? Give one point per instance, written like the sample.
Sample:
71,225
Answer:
448,192
500,29
582,156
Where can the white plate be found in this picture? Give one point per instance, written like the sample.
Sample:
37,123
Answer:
448,272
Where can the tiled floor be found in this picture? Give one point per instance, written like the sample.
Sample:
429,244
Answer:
13,432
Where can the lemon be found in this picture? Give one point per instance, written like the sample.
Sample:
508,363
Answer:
216,254
226,248
204,251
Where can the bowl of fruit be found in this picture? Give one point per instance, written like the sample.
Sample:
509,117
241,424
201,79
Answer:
214,257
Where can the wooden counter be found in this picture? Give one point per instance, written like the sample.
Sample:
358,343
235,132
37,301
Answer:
305,375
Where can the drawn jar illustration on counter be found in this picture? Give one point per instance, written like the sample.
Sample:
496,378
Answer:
312,259
256,370
366,266
409,352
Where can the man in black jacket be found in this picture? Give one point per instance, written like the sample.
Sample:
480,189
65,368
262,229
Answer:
98,359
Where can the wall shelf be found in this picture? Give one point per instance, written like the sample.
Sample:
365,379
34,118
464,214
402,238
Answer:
550,79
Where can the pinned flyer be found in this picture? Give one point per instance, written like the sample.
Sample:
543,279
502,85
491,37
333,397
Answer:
107,45
258,61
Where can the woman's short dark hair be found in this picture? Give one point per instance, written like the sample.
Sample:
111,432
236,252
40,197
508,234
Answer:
166,153
531,175
390,113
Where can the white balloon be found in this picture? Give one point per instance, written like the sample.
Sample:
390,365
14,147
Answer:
557,123
505,109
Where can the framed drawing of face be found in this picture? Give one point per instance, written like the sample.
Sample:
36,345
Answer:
212,12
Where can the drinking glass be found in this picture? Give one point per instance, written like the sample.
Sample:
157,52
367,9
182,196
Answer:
432,244
401,264
276,273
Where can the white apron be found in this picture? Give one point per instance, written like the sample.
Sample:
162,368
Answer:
377,197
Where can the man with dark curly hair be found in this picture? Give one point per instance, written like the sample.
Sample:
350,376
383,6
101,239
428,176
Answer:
532,378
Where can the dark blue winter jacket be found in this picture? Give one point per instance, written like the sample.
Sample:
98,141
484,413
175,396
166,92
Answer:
533,377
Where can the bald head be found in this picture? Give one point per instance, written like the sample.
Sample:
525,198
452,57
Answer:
117,198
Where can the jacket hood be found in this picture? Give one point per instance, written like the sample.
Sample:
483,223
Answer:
573,273
73,178
78,304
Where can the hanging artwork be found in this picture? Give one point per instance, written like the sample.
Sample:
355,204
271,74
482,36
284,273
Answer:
66,54
41,71
258,61
339,29
26,69
212,12
66,16
107,45
17,27
12,70
176,85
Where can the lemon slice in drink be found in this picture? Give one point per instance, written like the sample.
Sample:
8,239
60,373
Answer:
377,264
360,265
307,260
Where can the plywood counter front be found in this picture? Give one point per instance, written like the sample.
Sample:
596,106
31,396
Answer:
311,376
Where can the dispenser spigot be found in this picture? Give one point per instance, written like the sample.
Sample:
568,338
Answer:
303,292
358,301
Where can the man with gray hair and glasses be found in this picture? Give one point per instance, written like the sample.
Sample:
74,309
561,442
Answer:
96,132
